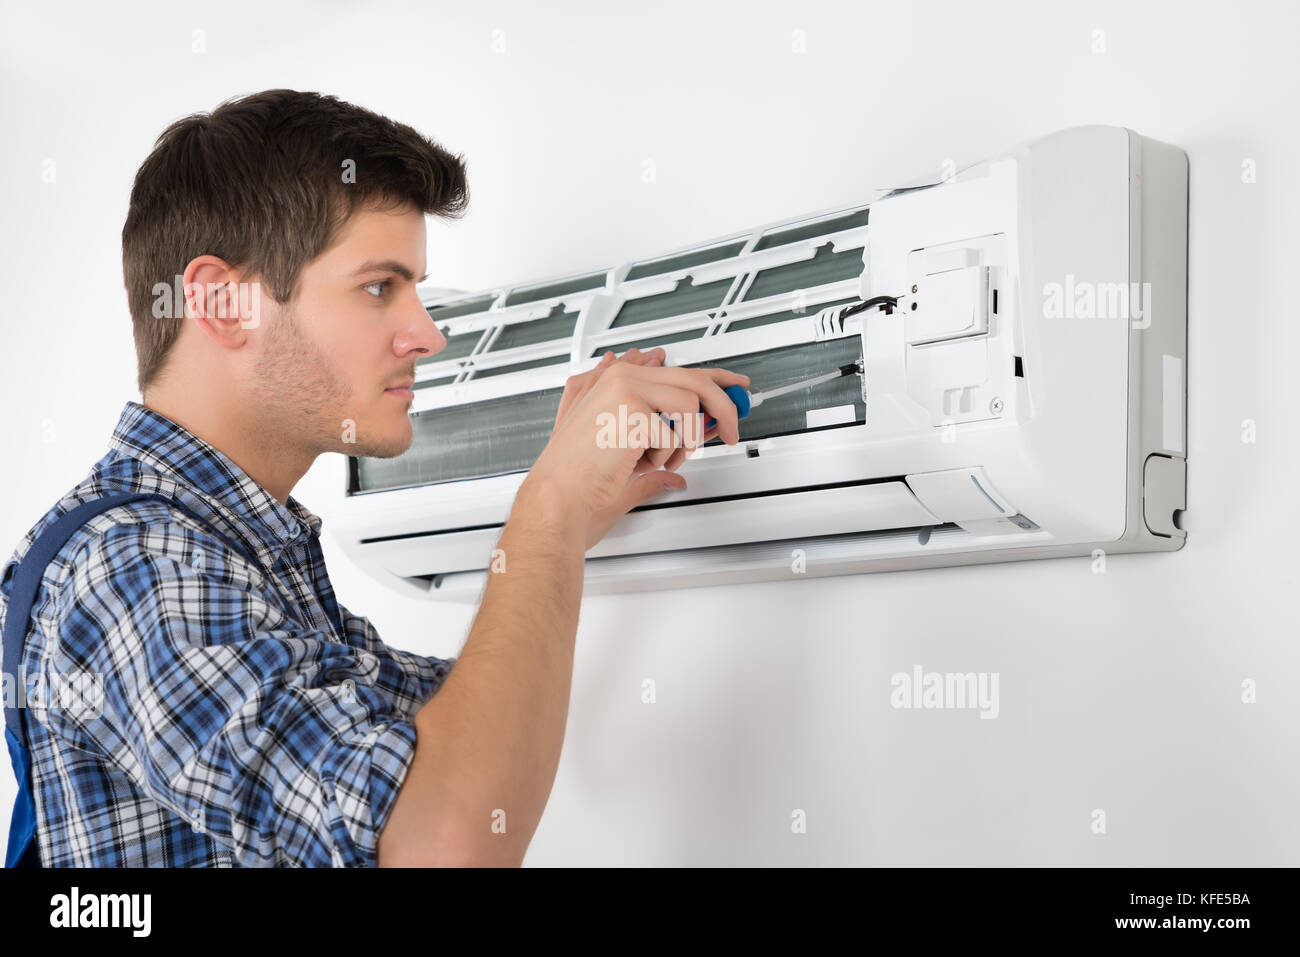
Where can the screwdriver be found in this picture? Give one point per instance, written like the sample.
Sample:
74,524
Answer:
745,401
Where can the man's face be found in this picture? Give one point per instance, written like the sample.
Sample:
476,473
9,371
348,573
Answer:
337,364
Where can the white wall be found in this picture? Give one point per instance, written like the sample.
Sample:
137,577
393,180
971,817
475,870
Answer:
1119,692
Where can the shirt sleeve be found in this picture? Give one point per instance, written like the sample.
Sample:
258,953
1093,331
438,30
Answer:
412,679
274,739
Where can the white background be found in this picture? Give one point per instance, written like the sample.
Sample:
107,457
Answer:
1120,692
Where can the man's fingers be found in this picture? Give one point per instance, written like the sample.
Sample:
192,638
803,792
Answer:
647,486
704,385
580,384
657,434
650,357
671,440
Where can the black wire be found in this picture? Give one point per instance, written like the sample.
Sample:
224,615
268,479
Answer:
886,302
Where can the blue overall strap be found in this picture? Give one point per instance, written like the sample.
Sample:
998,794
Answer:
22,850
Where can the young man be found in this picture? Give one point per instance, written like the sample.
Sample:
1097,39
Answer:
243,717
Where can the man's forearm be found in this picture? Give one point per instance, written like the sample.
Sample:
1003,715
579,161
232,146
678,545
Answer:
489,740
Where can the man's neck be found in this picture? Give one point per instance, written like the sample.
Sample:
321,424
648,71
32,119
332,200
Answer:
267,457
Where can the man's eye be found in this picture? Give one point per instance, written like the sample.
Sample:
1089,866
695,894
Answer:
382,284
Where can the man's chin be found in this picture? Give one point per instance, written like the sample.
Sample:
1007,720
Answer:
376,446
379,451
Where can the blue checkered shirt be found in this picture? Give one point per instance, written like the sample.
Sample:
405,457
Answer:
222,716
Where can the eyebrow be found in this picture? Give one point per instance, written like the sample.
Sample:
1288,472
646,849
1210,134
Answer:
388,265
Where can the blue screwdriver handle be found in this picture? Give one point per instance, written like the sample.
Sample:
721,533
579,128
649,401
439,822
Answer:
739,396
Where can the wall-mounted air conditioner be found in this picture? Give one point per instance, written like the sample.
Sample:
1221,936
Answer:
1026,398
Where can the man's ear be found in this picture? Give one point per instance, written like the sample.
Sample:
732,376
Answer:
220,302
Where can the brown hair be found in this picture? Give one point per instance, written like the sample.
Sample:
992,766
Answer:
260,182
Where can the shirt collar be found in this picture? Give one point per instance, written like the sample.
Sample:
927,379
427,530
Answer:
198,467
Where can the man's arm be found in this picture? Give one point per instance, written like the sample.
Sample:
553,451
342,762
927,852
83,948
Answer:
488,743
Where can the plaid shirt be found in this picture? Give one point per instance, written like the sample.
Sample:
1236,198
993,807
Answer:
238,725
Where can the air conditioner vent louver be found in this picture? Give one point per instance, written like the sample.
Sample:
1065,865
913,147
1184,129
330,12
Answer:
823,268
520,366
735,325
465,307
688,260
458,346
822,227
551,290
686,298
665,339
557,325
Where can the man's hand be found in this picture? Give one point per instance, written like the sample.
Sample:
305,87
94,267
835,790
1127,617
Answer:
611,481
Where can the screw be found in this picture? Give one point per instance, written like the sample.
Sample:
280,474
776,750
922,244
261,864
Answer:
913,288
995,406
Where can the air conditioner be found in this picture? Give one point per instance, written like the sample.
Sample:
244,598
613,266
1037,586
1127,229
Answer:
1024,399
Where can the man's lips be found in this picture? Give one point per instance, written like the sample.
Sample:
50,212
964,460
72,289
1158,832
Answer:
403,389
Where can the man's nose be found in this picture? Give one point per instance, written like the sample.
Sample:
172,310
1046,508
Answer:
419,333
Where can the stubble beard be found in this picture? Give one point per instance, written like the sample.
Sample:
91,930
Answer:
310,402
